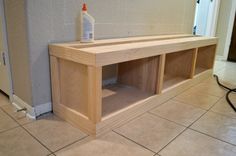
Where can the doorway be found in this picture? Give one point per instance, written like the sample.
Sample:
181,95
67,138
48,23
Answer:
5,74
206,16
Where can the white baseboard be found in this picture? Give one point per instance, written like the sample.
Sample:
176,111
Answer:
220,58
43,108
32,112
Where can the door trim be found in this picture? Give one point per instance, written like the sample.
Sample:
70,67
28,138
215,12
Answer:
6,48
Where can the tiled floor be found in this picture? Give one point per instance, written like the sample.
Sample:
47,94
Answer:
198,122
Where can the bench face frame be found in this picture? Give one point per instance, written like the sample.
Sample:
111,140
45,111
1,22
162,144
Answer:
164,66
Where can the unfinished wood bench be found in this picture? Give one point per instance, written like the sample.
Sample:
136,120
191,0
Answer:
99,86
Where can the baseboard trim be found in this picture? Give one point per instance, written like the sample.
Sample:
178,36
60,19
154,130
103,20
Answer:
43,108
32,112
220,58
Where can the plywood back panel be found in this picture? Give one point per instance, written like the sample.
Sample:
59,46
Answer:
179,63
206,56
74,86
140,73
109,72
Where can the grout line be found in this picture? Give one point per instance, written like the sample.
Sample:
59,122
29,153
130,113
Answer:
212,137
171,140
132,119
156,115
57,149
18,125
204,113
10,129
31,120
205,133
71,143
169,120
28,132
134,142
22,126
156,153
177,100
186,128
222,114
189,125
172,98
36,139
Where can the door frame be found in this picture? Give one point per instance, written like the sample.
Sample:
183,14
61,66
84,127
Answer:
2,13
230,30
213,15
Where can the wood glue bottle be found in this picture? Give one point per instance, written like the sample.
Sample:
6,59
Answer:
87,26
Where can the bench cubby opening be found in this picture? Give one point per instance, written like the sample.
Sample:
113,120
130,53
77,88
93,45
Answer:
178,67
127,83
205,58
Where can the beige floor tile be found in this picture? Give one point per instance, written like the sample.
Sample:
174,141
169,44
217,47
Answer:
6,122
4,100
227,75
212,81
218,126
203,101
150,131
17,142
221,65
192,143
227,72
179,112
110,144
224,108
20,117
209,89
53,132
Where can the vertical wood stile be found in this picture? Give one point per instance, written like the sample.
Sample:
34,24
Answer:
55,82
95,93
214,57
194,61
160,76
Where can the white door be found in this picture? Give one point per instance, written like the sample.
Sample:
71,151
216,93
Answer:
4,75
206,17
202,11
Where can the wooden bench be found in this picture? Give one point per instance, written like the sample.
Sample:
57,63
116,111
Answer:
99,86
